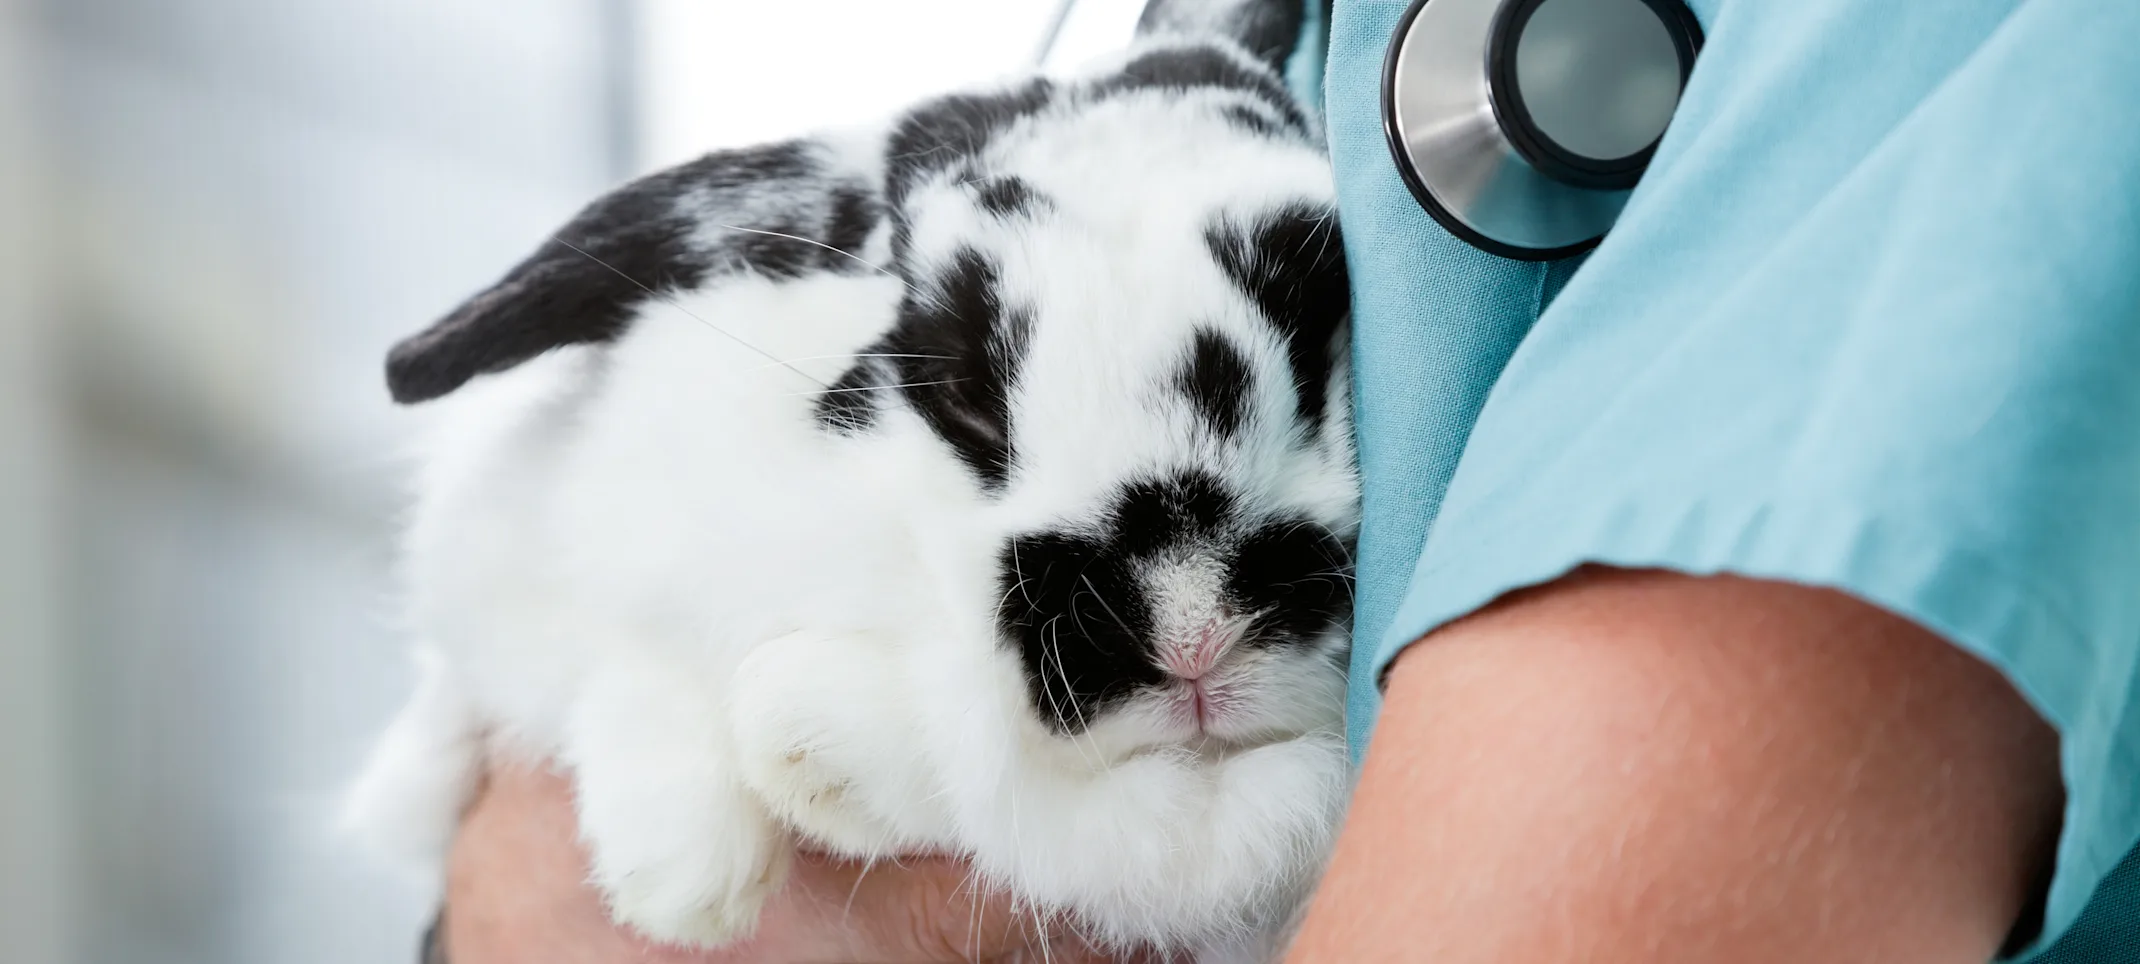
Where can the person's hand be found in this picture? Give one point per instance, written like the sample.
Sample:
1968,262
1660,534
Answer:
516,893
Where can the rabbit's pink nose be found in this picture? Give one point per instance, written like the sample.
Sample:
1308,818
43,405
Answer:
1192,657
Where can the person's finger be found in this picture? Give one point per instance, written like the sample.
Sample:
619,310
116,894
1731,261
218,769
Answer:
914,911
516,882
519,894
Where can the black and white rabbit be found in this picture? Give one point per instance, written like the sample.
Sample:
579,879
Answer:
982,483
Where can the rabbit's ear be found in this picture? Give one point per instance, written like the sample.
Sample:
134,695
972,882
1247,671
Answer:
782,210
1268,29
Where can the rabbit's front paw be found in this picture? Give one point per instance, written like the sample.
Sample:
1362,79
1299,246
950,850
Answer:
684,879
693,900
824,739
798,782
683,852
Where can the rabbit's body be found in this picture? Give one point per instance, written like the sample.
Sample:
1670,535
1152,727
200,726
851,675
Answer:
1029,547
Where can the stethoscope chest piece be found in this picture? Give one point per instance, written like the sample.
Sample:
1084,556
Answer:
1522,125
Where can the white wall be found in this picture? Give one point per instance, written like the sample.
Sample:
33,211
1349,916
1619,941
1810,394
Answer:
720,73
248,201
39,853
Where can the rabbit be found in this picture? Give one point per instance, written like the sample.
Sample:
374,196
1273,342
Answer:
977,483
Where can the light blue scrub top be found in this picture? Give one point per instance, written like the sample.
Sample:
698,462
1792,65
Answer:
1871,321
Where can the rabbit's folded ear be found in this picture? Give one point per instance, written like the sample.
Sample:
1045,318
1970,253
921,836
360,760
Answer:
1268,29
781,210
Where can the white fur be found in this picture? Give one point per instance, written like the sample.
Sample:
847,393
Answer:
646,561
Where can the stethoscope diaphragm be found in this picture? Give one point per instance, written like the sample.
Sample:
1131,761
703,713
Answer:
1523,125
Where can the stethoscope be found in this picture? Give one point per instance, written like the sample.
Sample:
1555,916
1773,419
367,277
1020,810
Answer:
1523,125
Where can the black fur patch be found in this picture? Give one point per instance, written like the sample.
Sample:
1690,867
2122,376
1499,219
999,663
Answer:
854,216
1291,264
1074,607
1269,29
721,170
1007,196
1081,624
1258,123
849,405
780,252
959,351
580,287
953,130
1152,515
1185,68
822,229
1216,380
1298,576
645,240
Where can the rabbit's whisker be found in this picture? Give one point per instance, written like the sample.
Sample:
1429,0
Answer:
864,354
1088,747
875,388
673,303
880,269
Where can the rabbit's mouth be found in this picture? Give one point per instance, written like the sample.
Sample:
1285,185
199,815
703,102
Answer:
1200,704
1249,696
1244,697
1197,689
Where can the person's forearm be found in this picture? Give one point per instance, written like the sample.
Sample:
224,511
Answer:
1630,767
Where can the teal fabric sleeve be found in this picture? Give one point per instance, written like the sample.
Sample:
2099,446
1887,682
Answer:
1434,319
1871,321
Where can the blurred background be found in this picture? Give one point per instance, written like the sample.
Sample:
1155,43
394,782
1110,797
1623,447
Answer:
215,216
